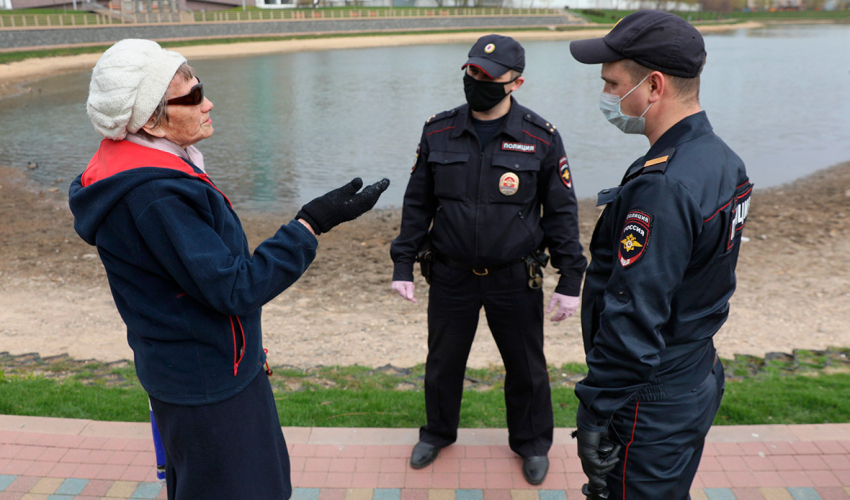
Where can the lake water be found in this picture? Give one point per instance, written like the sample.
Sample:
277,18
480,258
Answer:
289,127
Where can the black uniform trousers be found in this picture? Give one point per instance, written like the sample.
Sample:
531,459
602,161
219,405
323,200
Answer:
662,442
225,451
515,315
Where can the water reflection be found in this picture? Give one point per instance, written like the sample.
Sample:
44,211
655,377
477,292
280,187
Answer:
291,126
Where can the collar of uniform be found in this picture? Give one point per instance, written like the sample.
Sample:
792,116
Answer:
512,125
633,168
688,128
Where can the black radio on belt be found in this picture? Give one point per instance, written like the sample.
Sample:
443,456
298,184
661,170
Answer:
425,255
534,264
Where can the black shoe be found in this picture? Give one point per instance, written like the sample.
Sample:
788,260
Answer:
535,468
423,455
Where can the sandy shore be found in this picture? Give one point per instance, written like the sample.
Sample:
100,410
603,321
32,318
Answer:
54,298
15,76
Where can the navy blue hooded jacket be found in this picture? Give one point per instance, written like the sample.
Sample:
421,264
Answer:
180,270
663,270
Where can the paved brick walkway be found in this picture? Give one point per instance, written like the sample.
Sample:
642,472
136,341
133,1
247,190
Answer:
64,459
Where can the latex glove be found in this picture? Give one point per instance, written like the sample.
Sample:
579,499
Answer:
566,306
405,289
341,205
598,457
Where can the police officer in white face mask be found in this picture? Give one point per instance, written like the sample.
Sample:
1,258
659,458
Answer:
491,187
662,271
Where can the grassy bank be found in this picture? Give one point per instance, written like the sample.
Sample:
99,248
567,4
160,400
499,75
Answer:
604,16
9,57
795,389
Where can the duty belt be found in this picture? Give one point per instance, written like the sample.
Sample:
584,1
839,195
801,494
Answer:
444,259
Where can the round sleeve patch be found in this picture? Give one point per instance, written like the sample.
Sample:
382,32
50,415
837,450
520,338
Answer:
564,169
634,237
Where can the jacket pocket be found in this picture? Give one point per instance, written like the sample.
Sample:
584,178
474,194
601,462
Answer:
450,174
512,178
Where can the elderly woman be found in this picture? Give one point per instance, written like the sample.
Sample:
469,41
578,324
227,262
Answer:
183,278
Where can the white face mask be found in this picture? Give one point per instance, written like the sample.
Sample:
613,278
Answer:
610,106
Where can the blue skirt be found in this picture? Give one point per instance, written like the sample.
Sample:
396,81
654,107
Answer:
230,450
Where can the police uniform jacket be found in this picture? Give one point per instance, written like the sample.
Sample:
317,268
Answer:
662,271
456,185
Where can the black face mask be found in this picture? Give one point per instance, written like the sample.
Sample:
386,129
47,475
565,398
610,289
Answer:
482,95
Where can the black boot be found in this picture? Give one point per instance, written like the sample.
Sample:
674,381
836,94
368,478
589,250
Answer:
424,455
535,468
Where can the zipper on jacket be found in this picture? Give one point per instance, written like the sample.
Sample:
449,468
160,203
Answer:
238,354
477,208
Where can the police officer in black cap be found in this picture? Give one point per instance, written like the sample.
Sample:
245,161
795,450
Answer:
483,173
662,270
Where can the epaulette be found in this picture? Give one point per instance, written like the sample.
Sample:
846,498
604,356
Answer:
441,116
659,163
540,122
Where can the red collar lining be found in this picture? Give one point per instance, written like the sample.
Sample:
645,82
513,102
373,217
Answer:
115,157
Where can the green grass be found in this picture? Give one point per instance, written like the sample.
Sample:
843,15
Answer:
51,17
402,409
39,396
353,396
44,12
776,399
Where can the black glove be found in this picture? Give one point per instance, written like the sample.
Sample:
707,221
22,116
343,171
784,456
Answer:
341,205
598,457
595,493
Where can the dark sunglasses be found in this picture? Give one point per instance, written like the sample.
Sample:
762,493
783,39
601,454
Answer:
193,98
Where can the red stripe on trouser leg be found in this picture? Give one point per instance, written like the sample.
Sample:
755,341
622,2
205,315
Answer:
626,457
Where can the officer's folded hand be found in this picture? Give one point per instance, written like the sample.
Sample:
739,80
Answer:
598,457
341,205
405,289
566,306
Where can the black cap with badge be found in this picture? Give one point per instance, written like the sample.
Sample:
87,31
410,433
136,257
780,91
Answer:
495,55
658,40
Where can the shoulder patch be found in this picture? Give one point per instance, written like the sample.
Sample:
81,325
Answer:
634,237
564,169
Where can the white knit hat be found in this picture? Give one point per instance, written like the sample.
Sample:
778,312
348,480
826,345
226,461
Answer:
127,85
